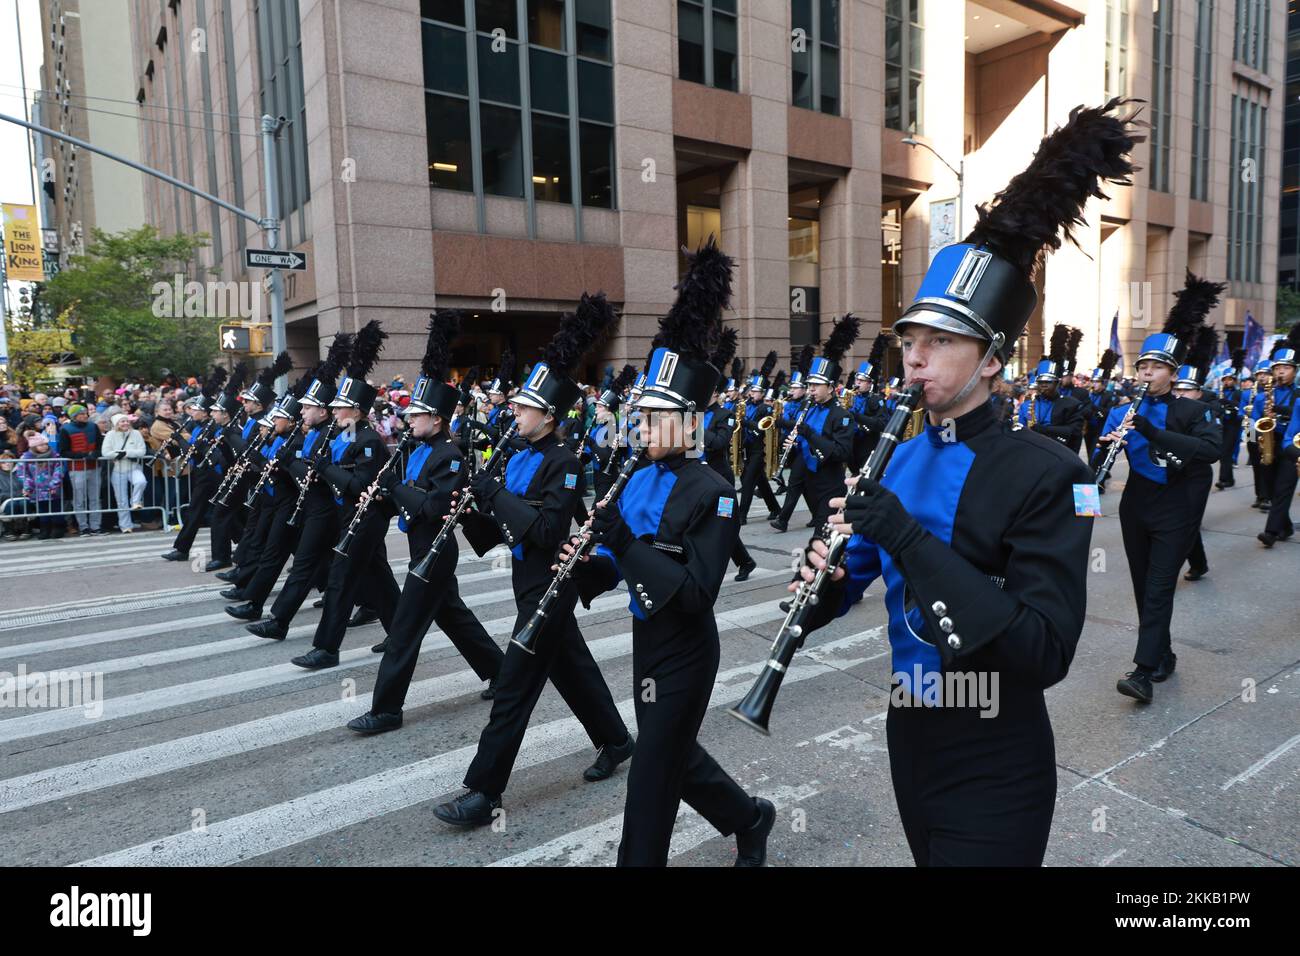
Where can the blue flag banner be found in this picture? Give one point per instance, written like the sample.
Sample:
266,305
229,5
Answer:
1253,341
1114,341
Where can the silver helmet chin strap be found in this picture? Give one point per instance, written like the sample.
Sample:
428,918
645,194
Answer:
996,343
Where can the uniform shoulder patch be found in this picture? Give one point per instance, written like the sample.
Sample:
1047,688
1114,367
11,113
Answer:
571,480
846,420
726,506
369,452
455,464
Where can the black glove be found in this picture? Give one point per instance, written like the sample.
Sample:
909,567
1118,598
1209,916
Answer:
389,480
485,487
120,455
876,513
805,429
1143,426
609,529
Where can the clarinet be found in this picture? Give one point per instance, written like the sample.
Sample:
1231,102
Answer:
212,446
271,464
756,708
425,567
527,636
236,473
306,483
371,493
1112,454
616,428
171,439
794,434
194,445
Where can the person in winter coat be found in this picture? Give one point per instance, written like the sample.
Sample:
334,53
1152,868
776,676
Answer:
41,473
125,448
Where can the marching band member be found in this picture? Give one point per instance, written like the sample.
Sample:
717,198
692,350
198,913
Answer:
753,453
868,408
826,434
531,513
356,456
1099,401
599,443
1158,510
419,490
1230,400
716,428
203,479
1263,378
227,520
1050,413
1190,383
1279,477
789,415
669,536
981,546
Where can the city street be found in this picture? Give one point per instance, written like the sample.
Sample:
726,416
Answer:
212,749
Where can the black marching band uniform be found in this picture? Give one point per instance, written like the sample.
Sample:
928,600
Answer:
356,455
1159,511
203,478
825,441
1230,402
795,405
1099,401
753,474
717,425
531,513
978,540
1052,414
227,523
868,408
419,491
669,536
1279,477
605,445
1190,383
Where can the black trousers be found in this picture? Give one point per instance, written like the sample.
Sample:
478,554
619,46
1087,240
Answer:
1227,452
311,563
364,570
562,655
972,790
201,491
669,765
1158,523
421,605
263,515
794,488
248,541
1196,558
1281,489
820,487
227,528
281,542
752,477
1262,487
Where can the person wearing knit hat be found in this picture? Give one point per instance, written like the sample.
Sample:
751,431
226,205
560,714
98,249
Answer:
77,441
125,448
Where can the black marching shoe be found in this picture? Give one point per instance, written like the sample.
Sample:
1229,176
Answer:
248,611
233,594
319,602
744,519
785,605
1268,538
1195,574
174,555
269,628
772,516
607,760
215,565
380,647
490,691
746,570
228,576
363,616
751,844
1137,685
779,525
1165,668
1263,504
316,659
470,809
373,723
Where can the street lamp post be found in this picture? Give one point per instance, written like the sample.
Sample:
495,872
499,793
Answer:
959,172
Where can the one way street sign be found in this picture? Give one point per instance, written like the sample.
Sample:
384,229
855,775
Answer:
275,259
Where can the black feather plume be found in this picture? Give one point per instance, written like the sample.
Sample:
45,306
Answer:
1047,198
579,332
506,371
1056,350
212,384
1204,348
1192,303
878,350
726,350
737,370
1072,348
804,362
335,357
769,363
1292,341
1107,363
694,323
1238,358
623,380
443,326
280,366
466,383
365,350
842,337
237,379
778,381
299,388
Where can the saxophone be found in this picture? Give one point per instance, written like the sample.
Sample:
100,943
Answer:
1265,427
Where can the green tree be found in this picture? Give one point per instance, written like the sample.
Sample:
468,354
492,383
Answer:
1288,308
109,294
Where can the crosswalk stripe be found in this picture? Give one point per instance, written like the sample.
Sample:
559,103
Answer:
324,811
57,783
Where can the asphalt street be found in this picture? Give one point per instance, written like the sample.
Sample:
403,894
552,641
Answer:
197,743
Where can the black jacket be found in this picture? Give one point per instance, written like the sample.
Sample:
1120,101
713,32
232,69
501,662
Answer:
357,466
421,500
319,500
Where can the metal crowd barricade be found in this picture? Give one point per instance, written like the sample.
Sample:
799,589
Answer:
52,500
